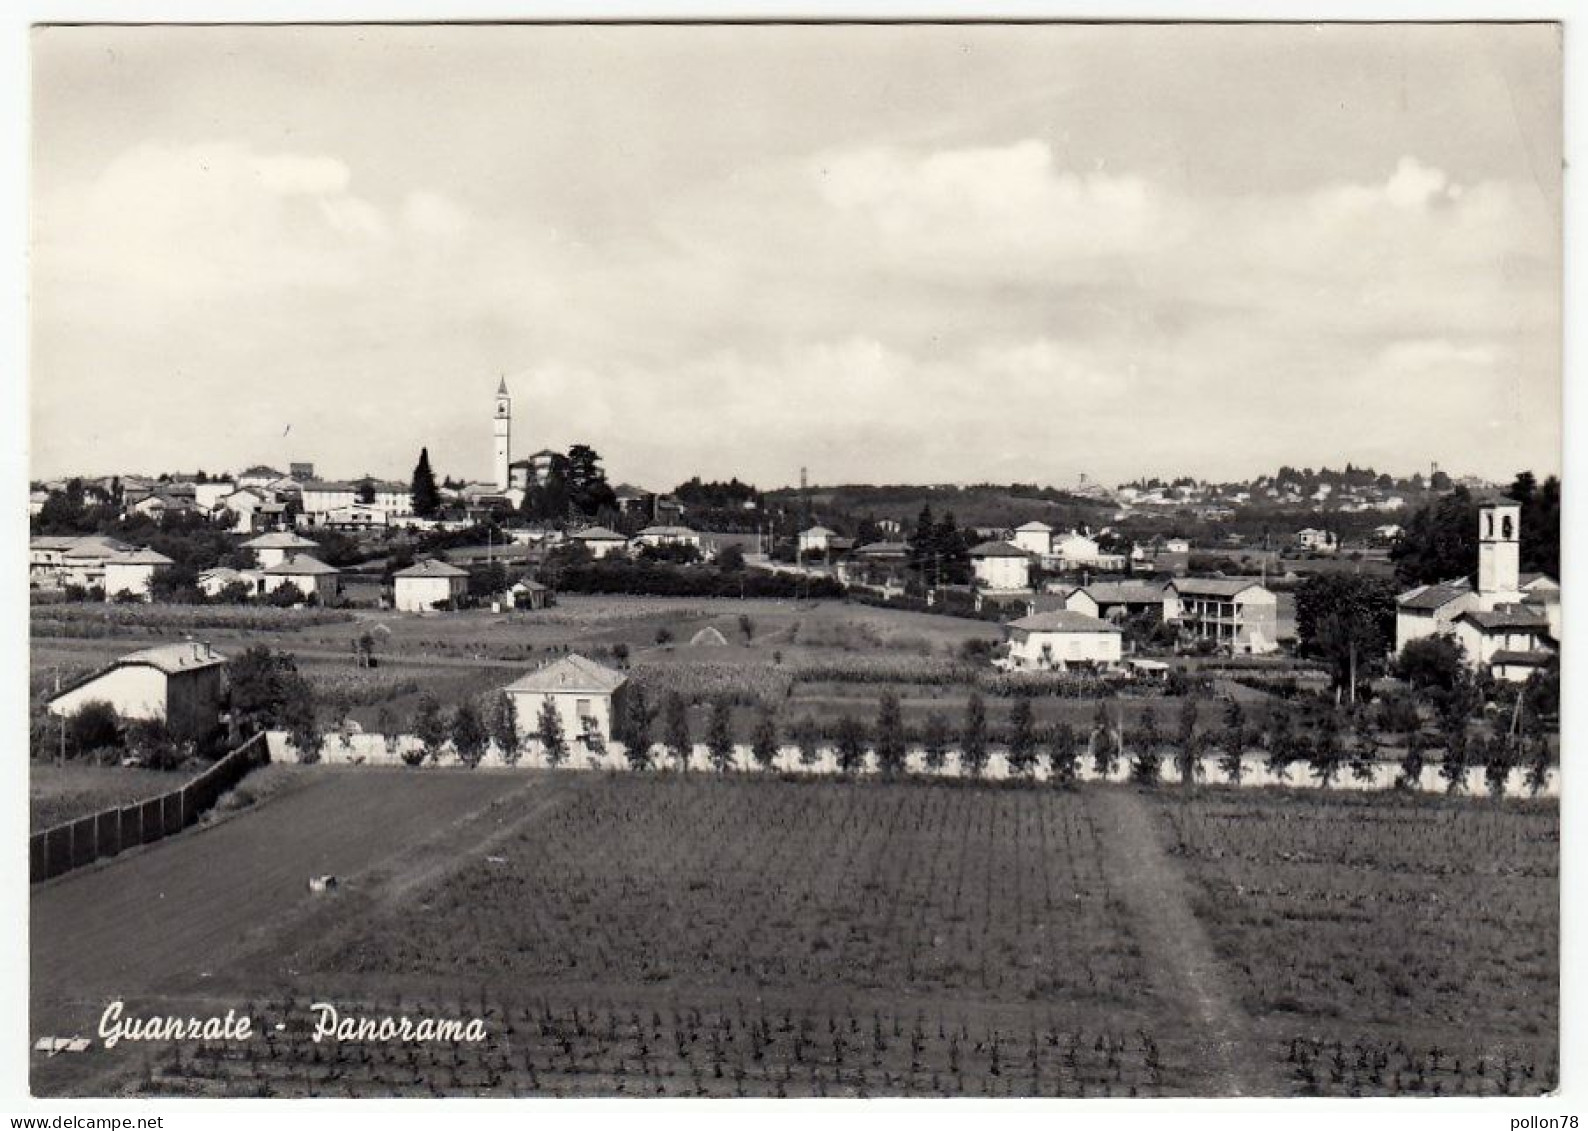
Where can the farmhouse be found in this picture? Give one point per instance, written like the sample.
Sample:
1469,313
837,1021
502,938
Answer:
1235,613
179,683
585,695
1078,551
600,541
1063,640
277,546
816,540
428,585
311,577
1509,640
1318,541
133,573
1001,566
212,582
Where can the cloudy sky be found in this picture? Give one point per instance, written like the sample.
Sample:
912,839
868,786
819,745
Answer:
889,254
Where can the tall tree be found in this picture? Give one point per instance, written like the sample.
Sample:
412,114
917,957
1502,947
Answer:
890,735
1348,621
763,740
851,744
719,735
934,742
587,482
1540,537
430,726
636,728
924,554
426,495
1146,768
552,740
675,722
973,737
1064,754
1022,739
469,734
1439,542
503,725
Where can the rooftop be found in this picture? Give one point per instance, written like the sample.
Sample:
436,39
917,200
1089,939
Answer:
1430,597
300,565
1214,586
1062,620
998,550
172,659
1506,616
432,567
571,673
598,534
279,540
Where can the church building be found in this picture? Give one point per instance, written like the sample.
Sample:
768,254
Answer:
1504,623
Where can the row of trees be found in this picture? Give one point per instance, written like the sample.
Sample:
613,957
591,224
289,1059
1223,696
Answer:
1329,744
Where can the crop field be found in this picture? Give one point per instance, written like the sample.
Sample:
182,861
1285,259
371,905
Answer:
1387,945
707,935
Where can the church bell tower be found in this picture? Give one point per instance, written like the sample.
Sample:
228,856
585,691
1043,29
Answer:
1499,553
502,427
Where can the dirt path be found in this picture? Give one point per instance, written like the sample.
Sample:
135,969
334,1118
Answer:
1178,954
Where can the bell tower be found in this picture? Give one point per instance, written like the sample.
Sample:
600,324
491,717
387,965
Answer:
502,427
1499,553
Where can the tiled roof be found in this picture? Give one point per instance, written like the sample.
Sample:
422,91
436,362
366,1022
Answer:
300,565
998,550
598,534
1125,593
667,532
884,549
169,658
279,540
143,556
1214,586
1506,616
1429,597
1040,527
571,673
431,567
1062,620
1520,659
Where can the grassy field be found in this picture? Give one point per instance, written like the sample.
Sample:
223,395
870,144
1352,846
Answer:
708,935
64,792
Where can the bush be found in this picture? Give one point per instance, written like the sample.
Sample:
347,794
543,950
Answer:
94,726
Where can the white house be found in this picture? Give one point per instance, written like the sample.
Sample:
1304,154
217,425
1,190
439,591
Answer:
249,507
311,577
1062,640
260,476
667,536
1319,541
1075,550
1034,538
1431,610
1001,566
1118,600
133,573
600,541
179,683
586,696
58,561
212,582
1509,640
423,585
816,540
277,546
211,492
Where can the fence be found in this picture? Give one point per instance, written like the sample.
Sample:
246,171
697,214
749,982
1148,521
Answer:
113,831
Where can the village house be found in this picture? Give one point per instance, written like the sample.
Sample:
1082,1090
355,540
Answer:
132,574
55,562
213,582
209,493
1062,640
309,575
277,546
600,541
253,509
1120,600
586,696
816,540
1238,614
428,585
667,536
181,684
1034,538
1317,541
260,475
1001,566
1074,550
1505,623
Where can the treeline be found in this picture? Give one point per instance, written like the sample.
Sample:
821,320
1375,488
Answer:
660,579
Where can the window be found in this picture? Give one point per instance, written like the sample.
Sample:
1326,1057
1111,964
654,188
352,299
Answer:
1505,528
582,708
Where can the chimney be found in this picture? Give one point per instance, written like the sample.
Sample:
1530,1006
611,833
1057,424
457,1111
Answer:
197,652
209,651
